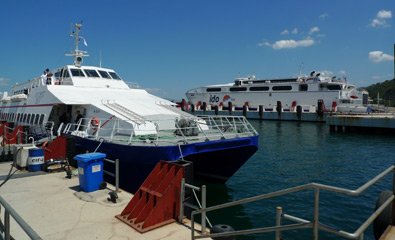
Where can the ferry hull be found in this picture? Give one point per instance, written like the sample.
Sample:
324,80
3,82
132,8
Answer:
212,160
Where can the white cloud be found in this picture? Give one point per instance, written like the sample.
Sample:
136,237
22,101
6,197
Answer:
383,14
314,30
381,19
290,43
378,23
379,56
323,16
286,31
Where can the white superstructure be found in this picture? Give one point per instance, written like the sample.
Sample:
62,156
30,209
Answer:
95,92
286,94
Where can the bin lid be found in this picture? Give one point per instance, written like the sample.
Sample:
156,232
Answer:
86,157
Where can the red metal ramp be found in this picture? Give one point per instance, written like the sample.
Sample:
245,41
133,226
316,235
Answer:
156,203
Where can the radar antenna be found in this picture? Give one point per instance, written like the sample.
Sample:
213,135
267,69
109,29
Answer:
77,54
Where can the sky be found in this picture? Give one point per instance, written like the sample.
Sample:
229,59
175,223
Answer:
171,46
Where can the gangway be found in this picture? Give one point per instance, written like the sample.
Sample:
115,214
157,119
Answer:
125,112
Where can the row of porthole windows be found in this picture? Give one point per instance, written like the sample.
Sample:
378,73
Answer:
27,118
261,88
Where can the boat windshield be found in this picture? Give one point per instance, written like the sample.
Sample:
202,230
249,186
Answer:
75,72
104,74
114,75
91,73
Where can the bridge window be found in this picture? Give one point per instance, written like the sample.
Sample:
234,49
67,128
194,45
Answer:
91,73
75,72
114,75
104,74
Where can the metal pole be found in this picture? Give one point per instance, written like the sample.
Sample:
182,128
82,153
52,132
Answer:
393,202
279,212
316,213
182,195
192,226
117,175
7,225
361,237
204,209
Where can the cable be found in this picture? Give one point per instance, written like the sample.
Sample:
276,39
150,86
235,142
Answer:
9,175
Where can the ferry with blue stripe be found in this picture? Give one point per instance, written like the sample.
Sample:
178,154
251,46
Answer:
100,112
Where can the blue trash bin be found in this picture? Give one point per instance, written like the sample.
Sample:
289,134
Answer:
90,170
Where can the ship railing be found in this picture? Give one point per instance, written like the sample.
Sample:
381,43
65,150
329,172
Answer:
5,228
19,137
38,81
183,130
299,223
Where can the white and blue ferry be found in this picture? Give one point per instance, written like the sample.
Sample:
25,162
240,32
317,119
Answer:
125,122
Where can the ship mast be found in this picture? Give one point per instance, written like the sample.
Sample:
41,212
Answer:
77,54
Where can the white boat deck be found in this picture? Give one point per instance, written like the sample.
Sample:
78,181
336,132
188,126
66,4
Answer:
55,208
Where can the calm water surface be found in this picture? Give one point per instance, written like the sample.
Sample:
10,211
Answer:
293,153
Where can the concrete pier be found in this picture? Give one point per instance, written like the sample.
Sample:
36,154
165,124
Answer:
282,116
381,123
369,123
55,208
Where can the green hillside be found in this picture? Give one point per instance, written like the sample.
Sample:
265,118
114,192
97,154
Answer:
386,90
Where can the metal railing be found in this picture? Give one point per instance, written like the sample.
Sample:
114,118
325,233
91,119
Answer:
300,223
200,204
164,131
6,228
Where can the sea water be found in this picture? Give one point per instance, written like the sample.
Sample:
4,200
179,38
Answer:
295,153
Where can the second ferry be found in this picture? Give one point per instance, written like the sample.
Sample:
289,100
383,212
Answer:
306,93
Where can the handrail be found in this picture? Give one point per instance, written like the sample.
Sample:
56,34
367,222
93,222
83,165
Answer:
200,205
18,219
315,224
164,131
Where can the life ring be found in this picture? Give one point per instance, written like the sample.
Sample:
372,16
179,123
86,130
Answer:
95,122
